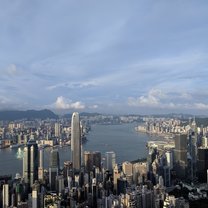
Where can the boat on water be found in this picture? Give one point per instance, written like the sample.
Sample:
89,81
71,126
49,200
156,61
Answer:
20,153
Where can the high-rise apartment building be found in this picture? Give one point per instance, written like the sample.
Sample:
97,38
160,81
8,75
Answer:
127,168
57,129
75,141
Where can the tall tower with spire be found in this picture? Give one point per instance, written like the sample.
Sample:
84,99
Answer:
75,141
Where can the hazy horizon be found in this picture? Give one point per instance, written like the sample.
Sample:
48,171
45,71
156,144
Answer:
122,57
65,112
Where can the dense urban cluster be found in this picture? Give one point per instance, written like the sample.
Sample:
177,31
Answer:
167,127
45,132
174,174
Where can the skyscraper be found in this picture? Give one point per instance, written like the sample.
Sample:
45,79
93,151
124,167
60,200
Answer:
88,161
110,160
193,150
97,159
54,159
181,147
53,168
169,158
75,141
92,159
30,162
5,195
202,164
41,166
181,154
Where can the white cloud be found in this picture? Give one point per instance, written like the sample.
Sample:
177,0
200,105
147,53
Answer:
73,85
201,106
93,106
4,100
157,99
63,103
149,100
152,99
12,70
190,106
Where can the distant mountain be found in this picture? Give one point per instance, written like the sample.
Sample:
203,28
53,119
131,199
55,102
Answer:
11,115
69,115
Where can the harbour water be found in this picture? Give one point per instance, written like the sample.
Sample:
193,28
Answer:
122,139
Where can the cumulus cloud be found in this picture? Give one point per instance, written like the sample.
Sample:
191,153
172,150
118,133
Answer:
201,106
187,106
63,103
151,99
157,99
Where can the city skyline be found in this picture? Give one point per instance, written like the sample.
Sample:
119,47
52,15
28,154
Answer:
120,57
174,155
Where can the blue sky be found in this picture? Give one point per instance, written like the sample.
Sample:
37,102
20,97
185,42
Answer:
105,56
